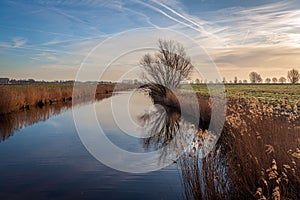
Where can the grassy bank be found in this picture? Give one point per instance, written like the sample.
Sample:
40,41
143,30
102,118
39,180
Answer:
282,94
16,97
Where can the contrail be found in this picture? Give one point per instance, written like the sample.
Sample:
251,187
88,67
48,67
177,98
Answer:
199,29
180,15
143,15
165,14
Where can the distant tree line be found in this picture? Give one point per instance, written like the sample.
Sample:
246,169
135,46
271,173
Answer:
7,81
32,81
293,76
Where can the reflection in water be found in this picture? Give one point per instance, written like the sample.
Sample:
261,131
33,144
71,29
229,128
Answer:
167,131
10,123
163,123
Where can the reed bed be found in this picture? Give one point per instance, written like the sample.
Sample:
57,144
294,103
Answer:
256,157
16,97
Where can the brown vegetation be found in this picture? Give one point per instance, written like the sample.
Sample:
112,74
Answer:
256,157
16,97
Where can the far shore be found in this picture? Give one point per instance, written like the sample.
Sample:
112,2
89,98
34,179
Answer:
23,97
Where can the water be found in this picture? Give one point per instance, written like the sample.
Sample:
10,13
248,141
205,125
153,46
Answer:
46,160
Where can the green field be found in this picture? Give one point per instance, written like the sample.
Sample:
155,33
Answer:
266,93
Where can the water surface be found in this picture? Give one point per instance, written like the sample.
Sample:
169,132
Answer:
46,160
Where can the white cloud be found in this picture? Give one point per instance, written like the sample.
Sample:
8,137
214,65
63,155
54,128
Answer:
16,42
19,42
52,58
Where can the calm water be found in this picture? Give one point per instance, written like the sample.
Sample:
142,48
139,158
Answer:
42,157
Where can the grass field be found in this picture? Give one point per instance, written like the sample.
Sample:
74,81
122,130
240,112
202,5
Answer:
282,94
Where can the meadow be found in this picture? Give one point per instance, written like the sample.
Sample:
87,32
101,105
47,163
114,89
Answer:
275,94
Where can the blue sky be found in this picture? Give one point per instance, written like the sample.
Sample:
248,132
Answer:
49,39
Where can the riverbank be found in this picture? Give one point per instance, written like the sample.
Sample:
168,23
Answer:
20,97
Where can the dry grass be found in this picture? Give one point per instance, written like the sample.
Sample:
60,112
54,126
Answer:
256,157
16,97
258,138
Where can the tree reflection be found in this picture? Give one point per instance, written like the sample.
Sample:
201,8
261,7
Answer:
166,127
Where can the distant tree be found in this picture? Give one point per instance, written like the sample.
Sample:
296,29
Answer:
240,81
255,77
197,81
235,79
31,80
268,80
217,81
293,76
245,81
224,80
274,80
282,80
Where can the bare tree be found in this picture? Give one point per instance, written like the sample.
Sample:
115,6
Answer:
168,67
255,77
268,80
274,80
197,81
293,76
282,79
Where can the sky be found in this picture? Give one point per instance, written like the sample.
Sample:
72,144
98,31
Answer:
55,39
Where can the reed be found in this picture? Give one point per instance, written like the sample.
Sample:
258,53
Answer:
256,157
16,97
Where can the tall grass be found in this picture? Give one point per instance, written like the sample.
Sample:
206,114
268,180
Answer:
256,157
16,97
